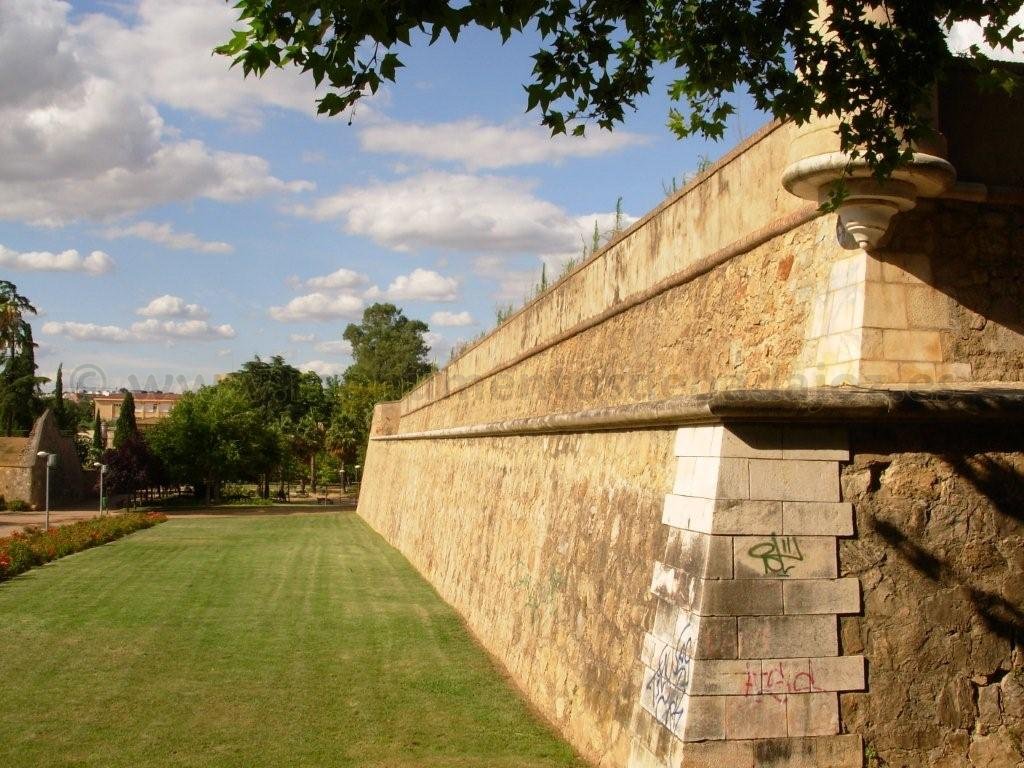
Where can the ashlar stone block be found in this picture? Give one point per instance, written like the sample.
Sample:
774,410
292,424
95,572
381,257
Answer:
785,557
755,717
817,518
794,480
812,714
722,516
821,596
767,637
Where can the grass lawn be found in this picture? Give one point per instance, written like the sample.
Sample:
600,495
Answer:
250,641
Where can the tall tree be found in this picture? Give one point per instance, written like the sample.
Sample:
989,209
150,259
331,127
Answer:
273,389
60,412
19,385
388,348
15,331
126,428
97,435
389,354
20,401
870,64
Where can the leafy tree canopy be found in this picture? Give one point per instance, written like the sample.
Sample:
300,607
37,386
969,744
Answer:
387,348
15,332
868,63
20,401
214,434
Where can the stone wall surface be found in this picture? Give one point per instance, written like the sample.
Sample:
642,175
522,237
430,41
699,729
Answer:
940,555
738,198
544,544
673,344
593,564
971,256
24,477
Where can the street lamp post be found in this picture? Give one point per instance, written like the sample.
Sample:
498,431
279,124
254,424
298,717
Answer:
51,462
103,470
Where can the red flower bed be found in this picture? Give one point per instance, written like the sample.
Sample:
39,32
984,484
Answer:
34,546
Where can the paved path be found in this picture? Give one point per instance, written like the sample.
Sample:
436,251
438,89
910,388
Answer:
15,521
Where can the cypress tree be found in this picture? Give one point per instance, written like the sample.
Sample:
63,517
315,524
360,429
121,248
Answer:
97,435
126,429
59,411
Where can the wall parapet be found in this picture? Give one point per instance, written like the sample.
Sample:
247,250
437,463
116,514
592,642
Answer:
727,210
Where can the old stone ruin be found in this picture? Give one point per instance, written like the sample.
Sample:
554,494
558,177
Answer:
746,488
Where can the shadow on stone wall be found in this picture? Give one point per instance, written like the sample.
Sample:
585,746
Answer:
940,554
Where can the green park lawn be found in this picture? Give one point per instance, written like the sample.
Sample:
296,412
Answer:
250,641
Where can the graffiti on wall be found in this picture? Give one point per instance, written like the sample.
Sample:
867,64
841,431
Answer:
668,684
778,555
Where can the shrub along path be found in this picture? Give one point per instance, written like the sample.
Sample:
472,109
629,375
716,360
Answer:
250,641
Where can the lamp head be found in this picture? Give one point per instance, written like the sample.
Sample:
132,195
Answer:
41,454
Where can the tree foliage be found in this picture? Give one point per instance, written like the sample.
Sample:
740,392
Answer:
388,349
126,428
213,435
20,401
97,434
60,411
131,466
868,63
269,420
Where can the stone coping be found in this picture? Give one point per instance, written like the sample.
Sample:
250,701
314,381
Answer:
816,404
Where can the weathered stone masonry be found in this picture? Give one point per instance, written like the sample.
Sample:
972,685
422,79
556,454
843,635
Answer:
738,492
744,644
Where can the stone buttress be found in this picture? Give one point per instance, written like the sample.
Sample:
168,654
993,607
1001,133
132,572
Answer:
742,666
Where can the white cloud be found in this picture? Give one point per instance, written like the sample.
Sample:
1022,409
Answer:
96,263
301,338
88,332
334,347
58,155
964,34
454,211
475,144
513,284
197,330
171,306
423,285
323,368
145,330
446,319
438,344
318,306
339,280
164,234
165,50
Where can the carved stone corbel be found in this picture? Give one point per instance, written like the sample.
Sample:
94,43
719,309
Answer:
816,164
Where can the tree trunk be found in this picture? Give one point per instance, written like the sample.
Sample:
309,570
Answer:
312,471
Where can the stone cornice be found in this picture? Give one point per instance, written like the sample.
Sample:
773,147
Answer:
822,404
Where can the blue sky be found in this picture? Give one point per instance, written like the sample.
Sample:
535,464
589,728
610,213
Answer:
171,220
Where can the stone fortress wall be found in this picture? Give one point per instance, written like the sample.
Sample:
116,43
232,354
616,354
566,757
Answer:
737,493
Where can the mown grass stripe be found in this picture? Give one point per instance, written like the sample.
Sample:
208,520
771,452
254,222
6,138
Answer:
256,641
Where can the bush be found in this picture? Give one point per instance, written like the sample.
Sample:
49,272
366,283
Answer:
17,505
3,504
34,546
